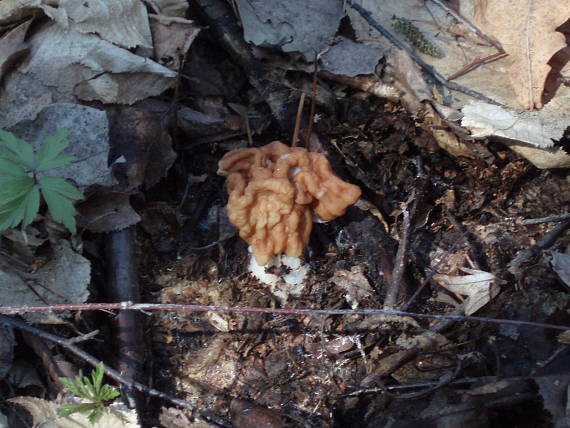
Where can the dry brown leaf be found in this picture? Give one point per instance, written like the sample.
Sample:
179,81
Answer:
12,47
478,286
527,31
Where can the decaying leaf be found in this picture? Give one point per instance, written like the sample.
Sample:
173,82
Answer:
172,38
478,286
139,134
485,120
293,25
12,47
65,276
107,211
527,31
46,412
94,69
354,284
121,22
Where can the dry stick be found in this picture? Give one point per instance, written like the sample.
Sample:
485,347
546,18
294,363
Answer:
546,241
475,63
428,68
468,24
10,310
298,120
393,290
552,218
130,383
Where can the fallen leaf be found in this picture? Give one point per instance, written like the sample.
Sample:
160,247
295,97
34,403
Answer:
171,7
139,134
94,69
478,286
354,284
66,276
527,31
13,48
121,22
172,39
292,25
107,211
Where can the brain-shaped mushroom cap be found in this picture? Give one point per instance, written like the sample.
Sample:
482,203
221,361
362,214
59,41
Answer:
274,191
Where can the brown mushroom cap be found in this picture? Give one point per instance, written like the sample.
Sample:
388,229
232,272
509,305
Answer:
273,192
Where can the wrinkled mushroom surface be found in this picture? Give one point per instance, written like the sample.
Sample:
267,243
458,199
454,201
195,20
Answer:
274,191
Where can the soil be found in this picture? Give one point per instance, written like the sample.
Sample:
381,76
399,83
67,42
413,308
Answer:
372,371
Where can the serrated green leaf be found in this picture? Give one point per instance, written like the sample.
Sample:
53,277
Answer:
9,156
12,214
56,163
31,206
22,149
48,156
60,208
15,189
61,186
9,168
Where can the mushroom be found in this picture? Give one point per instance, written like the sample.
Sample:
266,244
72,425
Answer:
274,191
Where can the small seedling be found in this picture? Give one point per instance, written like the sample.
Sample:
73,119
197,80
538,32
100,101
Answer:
20,185
93,390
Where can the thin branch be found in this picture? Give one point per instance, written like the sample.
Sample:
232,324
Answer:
130,383
298,121
428,68
546,241
475,63
468,24
248,309
393,291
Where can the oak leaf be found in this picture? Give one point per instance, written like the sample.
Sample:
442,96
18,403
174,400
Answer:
527,31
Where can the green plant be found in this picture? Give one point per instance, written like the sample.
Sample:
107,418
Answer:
415,37
21,185
93,390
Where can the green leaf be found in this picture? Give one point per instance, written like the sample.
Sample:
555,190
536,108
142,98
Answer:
15,189
11,157
22,149
61,186
31,206
9,168
57,192
12,214
48,156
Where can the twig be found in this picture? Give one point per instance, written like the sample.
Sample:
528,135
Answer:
298,121
249,309
475,63
400,265
552,218
546,241
130,383
468,24
428,68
